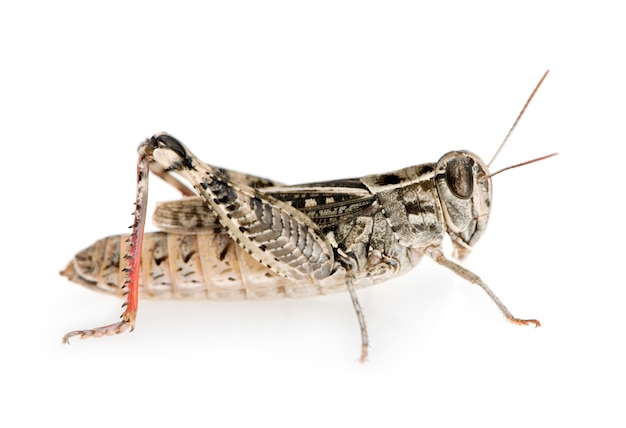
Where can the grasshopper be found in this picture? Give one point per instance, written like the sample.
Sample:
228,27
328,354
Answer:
238,236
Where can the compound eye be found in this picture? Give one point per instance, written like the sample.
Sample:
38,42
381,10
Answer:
460,177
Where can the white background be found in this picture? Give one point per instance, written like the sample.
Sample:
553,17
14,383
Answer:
307,91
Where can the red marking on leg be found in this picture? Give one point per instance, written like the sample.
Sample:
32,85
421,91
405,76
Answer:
134,268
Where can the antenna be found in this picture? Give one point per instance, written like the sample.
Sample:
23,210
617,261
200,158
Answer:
522,164
519,116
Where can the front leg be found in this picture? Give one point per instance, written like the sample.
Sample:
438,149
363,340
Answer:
437,255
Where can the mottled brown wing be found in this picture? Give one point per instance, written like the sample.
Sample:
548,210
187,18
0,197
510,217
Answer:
188,215
327,204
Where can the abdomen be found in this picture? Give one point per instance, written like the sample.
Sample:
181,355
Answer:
189,266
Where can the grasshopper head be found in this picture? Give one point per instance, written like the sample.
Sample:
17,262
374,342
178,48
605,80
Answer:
464,187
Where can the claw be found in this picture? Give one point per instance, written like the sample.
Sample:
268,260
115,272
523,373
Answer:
364,352
524,322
